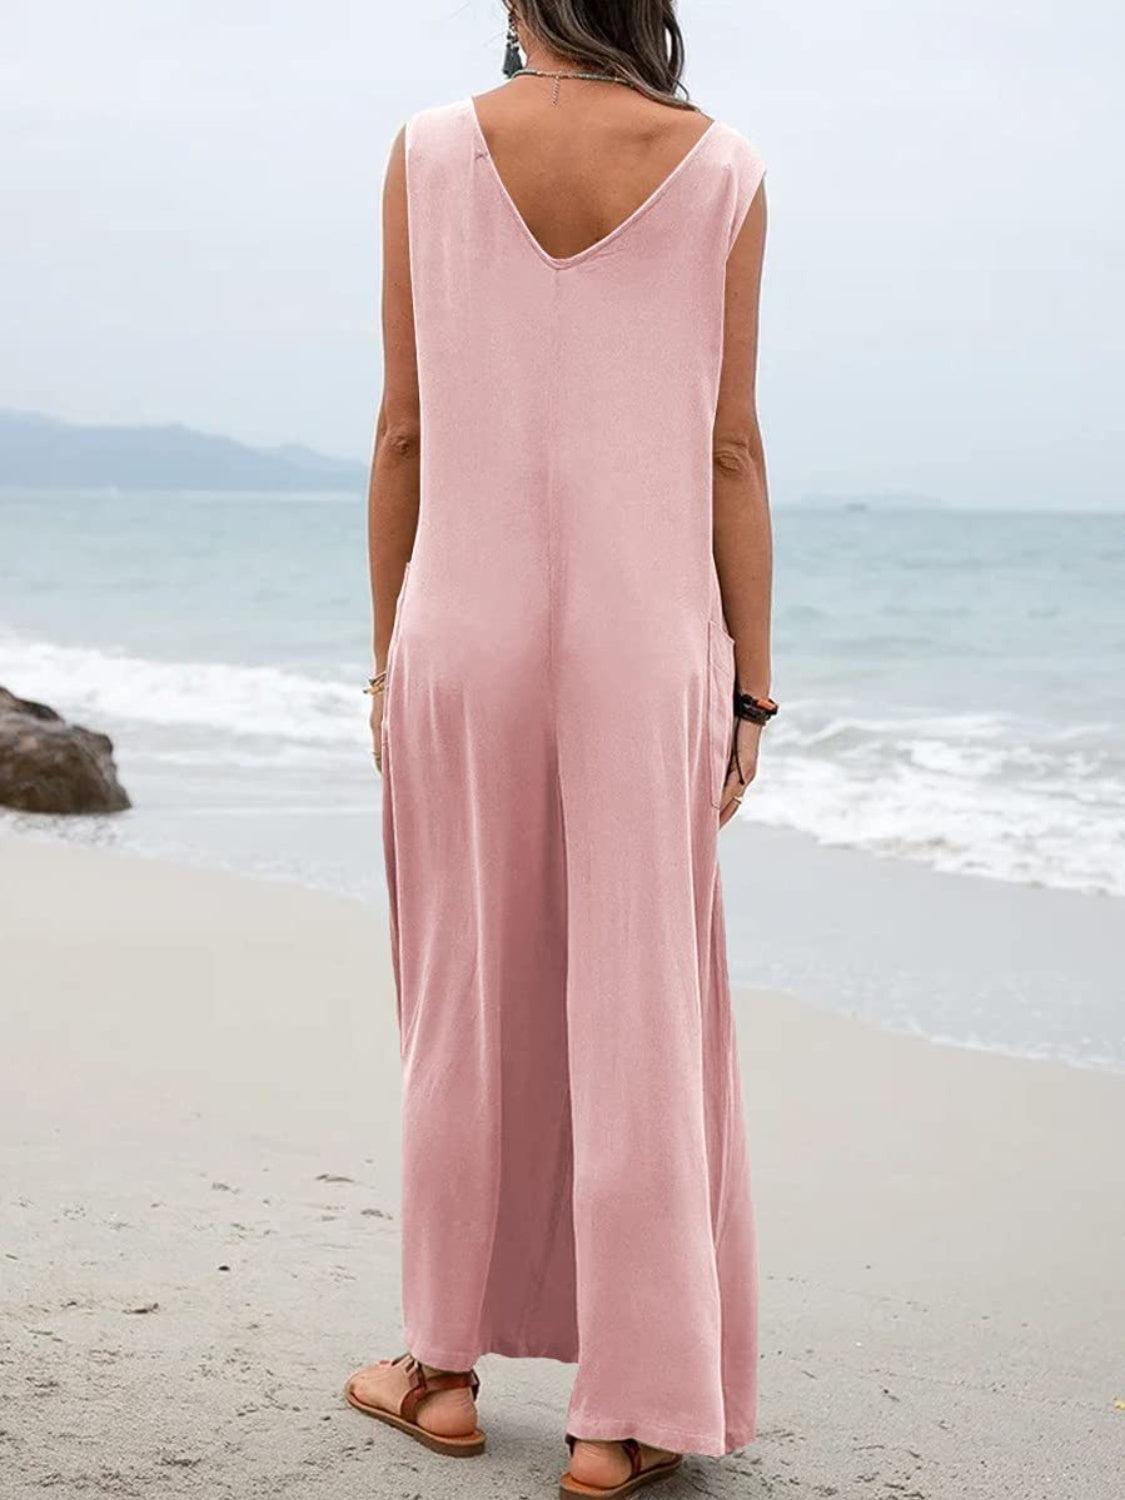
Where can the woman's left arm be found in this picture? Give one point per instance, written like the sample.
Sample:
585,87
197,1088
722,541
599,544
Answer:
742,534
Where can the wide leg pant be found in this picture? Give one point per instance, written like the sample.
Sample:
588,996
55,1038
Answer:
575,1179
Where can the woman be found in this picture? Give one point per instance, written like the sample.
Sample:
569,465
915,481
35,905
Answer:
570,561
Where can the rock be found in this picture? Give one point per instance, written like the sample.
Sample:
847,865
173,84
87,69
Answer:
50,766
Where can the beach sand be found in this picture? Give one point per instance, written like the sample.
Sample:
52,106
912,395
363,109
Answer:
198,1127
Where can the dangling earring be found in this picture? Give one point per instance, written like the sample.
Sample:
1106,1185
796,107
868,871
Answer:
512,60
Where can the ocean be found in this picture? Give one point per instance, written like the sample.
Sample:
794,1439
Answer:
952,687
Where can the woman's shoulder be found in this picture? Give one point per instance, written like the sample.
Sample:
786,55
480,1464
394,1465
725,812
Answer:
741,170
437,122
738,151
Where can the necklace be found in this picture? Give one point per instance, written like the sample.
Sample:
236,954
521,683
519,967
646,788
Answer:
558,77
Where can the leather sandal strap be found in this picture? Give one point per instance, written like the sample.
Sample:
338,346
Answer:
631,1446
423,1385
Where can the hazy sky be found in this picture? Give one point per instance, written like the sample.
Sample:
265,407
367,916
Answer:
190,226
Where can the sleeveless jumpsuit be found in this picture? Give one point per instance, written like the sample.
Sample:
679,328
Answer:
556,729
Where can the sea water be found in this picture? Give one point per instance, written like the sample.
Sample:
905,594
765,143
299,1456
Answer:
952,682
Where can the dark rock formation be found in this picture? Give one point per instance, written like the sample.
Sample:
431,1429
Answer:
50,766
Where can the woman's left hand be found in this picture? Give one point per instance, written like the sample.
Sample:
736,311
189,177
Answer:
748,737
377,731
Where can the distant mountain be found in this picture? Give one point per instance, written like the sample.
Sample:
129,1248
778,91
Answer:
41,453
878,500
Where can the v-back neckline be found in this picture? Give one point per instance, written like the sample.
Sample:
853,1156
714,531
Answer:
562,261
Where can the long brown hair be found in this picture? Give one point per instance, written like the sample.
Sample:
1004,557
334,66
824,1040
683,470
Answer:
638,41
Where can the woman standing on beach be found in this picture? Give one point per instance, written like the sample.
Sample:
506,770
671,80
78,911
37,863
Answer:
570,558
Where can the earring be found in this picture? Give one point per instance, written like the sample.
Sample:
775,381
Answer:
512,60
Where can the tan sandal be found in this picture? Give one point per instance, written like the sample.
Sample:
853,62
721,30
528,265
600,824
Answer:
406,1418
638,1477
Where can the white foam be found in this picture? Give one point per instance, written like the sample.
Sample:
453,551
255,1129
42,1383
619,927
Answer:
970,793
110,689
975,794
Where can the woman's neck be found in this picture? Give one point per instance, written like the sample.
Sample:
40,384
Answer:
539,55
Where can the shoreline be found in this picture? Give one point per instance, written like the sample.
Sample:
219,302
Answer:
941,934
199,1102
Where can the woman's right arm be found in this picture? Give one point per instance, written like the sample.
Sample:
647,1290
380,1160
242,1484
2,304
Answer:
392,507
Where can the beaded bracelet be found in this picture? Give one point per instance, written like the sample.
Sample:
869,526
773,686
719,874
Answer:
377,683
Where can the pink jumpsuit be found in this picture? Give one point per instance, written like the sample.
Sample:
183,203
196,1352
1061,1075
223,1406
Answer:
557,723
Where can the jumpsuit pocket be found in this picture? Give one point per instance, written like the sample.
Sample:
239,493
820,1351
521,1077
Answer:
720,707
392,644
392,652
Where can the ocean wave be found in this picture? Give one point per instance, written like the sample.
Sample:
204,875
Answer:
980,794
113,688
971,793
